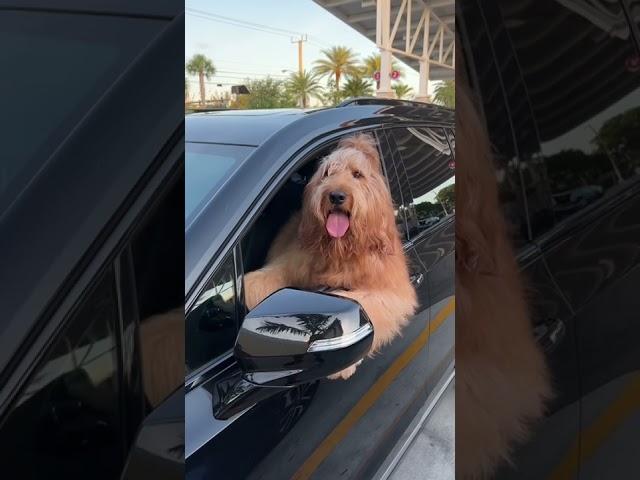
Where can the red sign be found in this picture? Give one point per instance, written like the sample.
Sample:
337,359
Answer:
395,74
452,164
376,76
632,63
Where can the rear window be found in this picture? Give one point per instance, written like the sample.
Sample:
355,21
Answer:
207,165
55,67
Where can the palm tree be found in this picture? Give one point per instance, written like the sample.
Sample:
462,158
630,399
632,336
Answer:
373,64
304,85
445,93
314,325
402,90
357,87
331,96
203,67
338,61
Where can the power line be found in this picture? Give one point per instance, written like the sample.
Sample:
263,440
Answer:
251,64
251,25
252,73
236,24
236,20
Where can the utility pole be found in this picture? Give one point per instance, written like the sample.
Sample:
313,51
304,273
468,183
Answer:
300,41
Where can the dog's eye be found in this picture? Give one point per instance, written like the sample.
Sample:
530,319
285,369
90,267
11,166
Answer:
326,173
357,174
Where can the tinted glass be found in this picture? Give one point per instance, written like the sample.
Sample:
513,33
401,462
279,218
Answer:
589,147
429,189
212,321
66,422
394,185
207,165
157,251
574,143
57,68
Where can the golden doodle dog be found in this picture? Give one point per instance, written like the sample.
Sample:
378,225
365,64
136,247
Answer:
345,237
502,382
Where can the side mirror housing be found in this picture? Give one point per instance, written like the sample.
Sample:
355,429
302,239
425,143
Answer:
293,337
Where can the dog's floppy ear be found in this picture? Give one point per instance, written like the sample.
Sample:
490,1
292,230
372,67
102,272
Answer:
364,143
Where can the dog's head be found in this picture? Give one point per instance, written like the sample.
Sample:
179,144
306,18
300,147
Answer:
347,207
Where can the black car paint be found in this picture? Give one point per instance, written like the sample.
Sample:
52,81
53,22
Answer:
277,437
70,223
580,260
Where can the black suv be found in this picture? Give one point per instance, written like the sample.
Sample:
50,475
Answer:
559,84
245,174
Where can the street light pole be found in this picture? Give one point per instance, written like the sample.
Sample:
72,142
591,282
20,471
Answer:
300,41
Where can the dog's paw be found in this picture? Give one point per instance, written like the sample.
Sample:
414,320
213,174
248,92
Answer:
252,289
343,374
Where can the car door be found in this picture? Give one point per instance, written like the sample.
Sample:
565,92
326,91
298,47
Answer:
424,159
317,430
582,182
111,355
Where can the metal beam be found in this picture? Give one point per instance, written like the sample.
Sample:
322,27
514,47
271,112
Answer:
361,17
438,3
398,18
403,28
337,3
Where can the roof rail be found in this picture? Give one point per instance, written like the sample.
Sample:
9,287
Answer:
381,101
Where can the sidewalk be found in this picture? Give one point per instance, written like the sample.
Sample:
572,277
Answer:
430,454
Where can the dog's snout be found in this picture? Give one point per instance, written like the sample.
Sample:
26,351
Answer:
337,197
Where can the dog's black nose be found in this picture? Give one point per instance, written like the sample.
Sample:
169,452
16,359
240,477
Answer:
337,198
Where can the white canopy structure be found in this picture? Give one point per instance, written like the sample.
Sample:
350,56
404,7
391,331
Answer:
420,32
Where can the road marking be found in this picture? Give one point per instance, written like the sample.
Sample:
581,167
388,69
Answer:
371,396
592,437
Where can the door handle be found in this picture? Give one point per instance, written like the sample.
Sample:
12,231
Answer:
417,279
549,334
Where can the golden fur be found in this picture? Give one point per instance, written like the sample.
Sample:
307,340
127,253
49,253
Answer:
501,376
367,264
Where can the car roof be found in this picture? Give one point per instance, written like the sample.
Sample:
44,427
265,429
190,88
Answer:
254,127
278,138
238,127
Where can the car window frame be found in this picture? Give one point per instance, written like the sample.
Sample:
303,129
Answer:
401,168
383,135
232,243
195,377
115,237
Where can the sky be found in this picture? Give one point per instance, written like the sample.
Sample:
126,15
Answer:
239,52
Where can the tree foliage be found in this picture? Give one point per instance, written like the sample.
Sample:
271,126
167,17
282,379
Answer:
338,61
447,196
203,67
402,90
445,93
357,87
304,85
266,93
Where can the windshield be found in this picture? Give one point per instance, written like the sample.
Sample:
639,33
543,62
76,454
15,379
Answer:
207,165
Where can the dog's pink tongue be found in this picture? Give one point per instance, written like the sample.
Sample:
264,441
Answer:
337,224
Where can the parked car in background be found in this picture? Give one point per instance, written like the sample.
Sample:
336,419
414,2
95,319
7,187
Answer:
428,222
245,174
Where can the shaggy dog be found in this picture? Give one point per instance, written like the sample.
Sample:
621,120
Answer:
345,238
501,376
